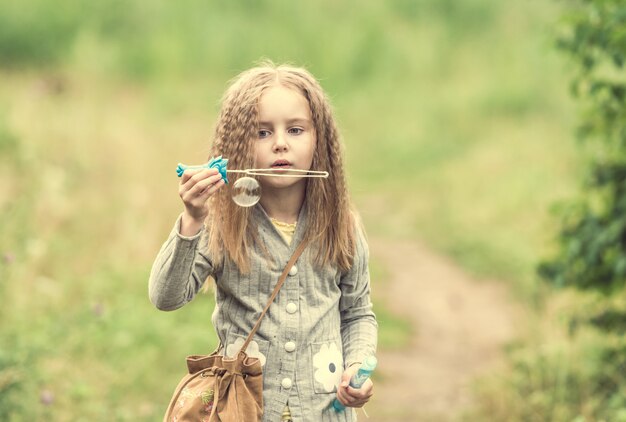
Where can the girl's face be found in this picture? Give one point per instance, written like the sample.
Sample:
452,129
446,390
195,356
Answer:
286,137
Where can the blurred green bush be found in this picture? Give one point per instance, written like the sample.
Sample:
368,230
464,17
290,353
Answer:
593,236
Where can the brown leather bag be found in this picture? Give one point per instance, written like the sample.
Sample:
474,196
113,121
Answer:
219,388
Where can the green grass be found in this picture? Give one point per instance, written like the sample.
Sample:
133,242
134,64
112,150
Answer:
394,330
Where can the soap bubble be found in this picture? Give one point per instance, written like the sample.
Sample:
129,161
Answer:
246,191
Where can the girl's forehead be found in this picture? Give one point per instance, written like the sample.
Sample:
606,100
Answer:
279,100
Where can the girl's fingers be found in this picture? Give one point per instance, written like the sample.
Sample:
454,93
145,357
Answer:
345,400
201,186
352,397
365,392
198,195
212,189
187,174
197,183
198,177
191,177
351,401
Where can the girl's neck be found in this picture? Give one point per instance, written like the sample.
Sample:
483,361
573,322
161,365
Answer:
283,204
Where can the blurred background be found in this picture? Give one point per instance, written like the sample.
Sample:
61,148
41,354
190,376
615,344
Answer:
459,127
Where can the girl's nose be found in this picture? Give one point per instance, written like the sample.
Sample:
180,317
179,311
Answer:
280,143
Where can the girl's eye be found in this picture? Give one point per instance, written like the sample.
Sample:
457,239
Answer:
296,130
264,133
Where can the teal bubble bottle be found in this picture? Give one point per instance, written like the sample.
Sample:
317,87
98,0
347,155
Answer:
358,379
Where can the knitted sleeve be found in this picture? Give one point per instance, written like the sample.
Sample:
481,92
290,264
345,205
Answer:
359,329
179,270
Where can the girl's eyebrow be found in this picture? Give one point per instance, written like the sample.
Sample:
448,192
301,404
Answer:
289,122
299,120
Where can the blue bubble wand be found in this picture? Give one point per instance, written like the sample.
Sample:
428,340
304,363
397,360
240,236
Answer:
246,190
358,379
220,164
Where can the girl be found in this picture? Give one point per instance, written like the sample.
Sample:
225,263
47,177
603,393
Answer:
321,324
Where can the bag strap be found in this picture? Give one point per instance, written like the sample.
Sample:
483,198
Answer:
281,280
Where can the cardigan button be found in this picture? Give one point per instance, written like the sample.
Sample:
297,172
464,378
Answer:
291,308
286,383
293,270
290,346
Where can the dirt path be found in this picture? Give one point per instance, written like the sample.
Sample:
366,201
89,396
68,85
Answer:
460,326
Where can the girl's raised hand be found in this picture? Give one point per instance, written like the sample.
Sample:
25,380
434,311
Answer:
196,186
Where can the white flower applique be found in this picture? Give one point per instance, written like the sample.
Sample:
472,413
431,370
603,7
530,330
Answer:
328,364
252,350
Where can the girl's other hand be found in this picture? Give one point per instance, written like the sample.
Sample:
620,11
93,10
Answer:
354,397
196,186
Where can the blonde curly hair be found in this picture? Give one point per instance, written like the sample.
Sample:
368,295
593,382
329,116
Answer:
331,219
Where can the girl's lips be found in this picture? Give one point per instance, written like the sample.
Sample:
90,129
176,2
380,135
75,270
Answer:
280,169
281,164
